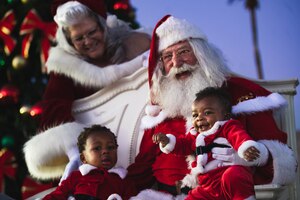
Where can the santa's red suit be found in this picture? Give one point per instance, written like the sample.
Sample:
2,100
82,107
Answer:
253,107
70,78
94,183
215,181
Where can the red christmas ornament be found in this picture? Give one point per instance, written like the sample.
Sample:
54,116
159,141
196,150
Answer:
9,94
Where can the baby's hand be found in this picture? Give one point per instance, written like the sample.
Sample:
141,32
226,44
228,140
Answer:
160,138
251,154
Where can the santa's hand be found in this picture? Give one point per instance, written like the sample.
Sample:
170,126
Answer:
73,164
228,156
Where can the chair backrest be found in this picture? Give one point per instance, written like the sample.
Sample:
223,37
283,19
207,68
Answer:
120,107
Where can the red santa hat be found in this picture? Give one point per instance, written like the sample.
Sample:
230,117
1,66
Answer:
168,31
98,6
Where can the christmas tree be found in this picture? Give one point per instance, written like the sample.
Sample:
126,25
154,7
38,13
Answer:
27,31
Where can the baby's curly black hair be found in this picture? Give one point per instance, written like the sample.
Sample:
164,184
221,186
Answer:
96,128
219,93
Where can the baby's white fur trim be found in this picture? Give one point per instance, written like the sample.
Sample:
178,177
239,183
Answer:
170,146
114,196
263,152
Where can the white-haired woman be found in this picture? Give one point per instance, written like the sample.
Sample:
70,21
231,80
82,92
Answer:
91,53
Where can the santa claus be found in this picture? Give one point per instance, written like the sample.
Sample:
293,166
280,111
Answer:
93,50
182,61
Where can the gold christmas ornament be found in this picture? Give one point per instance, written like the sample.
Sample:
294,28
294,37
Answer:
18,62
25,1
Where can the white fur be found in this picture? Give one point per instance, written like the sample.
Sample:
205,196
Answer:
86,168
114,197
150,194
59,140
263,152
282,154
87,74
259,104
152,110
122,172
170,146
174,30
148,121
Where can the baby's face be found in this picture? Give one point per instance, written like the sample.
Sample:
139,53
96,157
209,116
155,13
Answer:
206,112
100,150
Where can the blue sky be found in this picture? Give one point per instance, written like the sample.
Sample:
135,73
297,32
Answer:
228,27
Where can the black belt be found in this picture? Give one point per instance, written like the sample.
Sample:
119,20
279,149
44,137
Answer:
206,149
85,197
167,188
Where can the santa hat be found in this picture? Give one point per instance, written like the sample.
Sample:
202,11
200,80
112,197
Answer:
98,6
168,31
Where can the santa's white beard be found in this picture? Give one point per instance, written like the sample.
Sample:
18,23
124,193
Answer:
176,96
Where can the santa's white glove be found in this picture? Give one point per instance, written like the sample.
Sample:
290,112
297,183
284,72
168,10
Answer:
73,164
228,156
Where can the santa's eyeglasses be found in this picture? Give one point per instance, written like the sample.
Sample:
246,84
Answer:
182,53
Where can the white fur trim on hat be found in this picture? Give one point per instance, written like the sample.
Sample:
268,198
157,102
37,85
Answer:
170,146
259,104
263,152
174,30
284,162
46,153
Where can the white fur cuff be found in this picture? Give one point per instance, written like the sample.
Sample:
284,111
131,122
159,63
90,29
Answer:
263,155
170,146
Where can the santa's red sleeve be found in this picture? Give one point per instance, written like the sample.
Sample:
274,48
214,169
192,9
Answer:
253,106
140,172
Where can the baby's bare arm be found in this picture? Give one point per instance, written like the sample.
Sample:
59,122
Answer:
251,154
160,138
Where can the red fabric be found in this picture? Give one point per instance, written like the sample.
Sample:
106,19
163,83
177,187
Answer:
259,126
97,183
225,183
232,130
8,166
153,56
31,187
58,98
151,164
214,184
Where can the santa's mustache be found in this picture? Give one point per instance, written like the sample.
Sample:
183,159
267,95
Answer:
178,70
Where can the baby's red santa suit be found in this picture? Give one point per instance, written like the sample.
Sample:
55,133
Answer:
253,107
71,78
